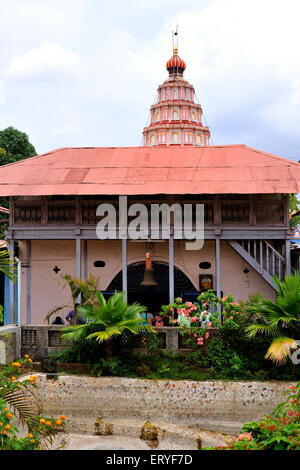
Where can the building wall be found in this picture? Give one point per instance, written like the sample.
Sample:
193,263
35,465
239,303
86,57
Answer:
46,254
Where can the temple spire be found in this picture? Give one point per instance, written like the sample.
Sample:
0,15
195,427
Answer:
175,42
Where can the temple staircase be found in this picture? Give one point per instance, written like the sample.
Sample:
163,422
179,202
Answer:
262,257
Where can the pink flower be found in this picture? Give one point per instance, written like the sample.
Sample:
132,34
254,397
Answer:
237,313
189,304
171,309
180,299
195,335
206,335
231,317
175,321
209,324
224,298
246,436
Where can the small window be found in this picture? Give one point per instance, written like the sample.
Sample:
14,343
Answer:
205,265
175,138
99,264
199,139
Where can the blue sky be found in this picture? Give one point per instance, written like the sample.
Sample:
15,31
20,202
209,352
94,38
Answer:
85,72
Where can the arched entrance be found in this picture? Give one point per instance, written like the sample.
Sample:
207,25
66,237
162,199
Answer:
152,297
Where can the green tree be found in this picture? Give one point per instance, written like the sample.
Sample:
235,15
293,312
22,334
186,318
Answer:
105,320
294,209
279,319
14,146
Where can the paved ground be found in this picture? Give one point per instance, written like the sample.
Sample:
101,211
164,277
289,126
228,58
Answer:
86,442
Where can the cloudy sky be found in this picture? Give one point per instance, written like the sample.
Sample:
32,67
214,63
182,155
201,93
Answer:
85,72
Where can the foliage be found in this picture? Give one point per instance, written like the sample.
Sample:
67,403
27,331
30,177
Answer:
279,431
78,288
7,265
106,320
16,146
294,207
18,401
279,319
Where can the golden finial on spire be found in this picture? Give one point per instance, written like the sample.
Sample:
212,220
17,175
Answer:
175,42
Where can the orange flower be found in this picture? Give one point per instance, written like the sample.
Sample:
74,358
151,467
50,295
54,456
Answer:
32,441
26,355
31,379
16,364
4,432
48,423
42,420
13,379
30,435
29,360
1,424
9,415
58,422
35,382
8,427
62,417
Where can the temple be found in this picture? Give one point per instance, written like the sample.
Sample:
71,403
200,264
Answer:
53,213
175,119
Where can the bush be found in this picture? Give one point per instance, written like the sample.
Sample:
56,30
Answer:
279,431
17,400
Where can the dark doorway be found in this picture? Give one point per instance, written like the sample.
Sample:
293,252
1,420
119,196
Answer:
152,297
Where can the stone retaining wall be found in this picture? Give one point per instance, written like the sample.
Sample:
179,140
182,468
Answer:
161,400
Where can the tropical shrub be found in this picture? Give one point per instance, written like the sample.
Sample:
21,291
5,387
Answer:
85,290
104,321
279,320
18,402
278,431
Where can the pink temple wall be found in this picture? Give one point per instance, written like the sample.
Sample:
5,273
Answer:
46,254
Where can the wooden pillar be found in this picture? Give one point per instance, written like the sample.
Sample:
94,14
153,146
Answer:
218,270
171,269
10,247
78,257
124,267
28,282
287,257
85,260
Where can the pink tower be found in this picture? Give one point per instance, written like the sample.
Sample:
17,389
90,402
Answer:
175,118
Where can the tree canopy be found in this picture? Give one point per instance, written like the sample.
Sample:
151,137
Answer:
14,146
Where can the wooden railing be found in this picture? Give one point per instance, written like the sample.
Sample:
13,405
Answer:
217,211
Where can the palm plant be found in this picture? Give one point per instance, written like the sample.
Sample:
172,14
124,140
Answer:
7,265
279,319
86,289
105,320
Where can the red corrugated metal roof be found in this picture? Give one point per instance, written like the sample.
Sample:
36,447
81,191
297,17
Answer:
235,169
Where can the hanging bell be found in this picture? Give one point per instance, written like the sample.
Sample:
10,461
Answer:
149,280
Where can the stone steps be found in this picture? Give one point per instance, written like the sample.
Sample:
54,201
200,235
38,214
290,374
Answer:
155,434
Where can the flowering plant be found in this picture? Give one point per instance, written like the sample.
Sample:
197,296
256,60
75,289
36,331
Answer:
279,431
193,319
18,401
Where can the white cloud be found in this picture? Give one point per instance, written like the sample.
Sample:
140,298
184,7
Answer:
86,72
39,63
2,92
